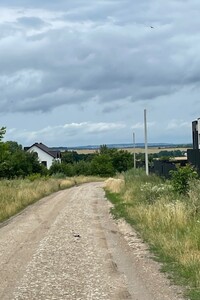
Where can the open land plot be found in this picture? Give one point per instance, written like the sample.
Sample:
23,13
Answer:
151,150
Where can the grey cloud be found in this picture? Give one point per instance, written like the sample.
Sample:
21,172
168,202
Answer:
70,130
103,50
47,101
32,22
111,108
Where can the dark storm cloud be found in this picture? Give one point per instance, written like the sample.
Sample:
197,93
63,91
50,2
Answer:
73,52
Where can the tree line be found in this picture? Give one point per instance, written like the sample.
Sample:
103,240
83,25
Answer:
106,162
15,162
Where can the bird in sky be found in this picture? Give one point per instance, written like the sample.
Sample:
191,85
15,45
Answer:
152,27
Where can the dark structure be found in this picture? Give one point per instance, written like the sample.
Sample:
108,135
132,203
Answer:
194,154
195,135
194,158
163,167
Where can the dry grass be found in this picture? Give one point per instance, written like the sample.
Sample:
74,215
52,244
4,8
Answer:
17,194
114,185
170,223
151,150
71,181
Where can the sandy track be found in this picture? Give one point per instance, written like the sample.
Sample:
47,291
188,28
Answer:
67,246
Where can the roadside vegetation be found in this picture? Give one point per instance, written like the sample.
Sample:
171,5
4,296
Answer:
17,163
167,215
17,194
104,163
24,180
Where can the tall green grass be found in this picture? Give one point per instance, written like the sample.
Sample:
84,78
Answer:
170,223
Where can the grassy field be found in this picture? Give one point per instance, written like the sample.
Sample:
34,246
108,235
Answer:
15,195
151,150
168,222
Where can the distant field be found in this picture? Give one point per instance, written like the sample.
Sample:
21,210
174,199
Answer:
155,149
137,150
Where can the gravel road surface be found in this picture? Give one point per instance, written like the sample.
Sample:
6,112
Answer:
67,246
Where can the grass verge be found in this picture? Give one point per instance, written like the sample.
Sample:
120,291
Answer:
15,195
169,223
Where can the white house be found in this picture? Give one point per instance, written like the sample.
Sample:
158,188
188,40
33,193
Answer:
45,155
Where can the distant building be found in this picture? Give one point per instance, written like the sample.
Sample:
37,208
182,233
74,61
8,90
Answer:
194,154
45,155
196,134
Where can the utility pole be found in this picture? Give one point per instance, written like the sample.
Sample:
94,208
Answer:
134,161
146,146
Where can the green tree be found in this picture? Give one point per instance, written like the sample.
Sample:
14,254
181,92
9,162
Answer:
104,149
3,147
14,162
13,146
69,157
61,168
2,132
82,168
102,165
122,160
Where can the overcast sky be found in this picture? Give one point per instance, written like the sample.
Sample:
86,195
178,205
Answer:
77,72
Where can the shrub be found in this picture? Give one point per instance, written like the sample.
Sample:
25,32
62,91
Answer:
82,168
62,168
151,192
102,165
34,177
180,179
59,175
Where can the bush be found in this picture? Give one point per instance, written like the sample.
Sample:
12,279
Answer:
82,168
62,168
59,175
150,192
102,165
34,177
180,179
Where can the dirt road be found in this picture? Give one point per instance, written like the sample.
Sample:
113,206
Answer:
67,246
